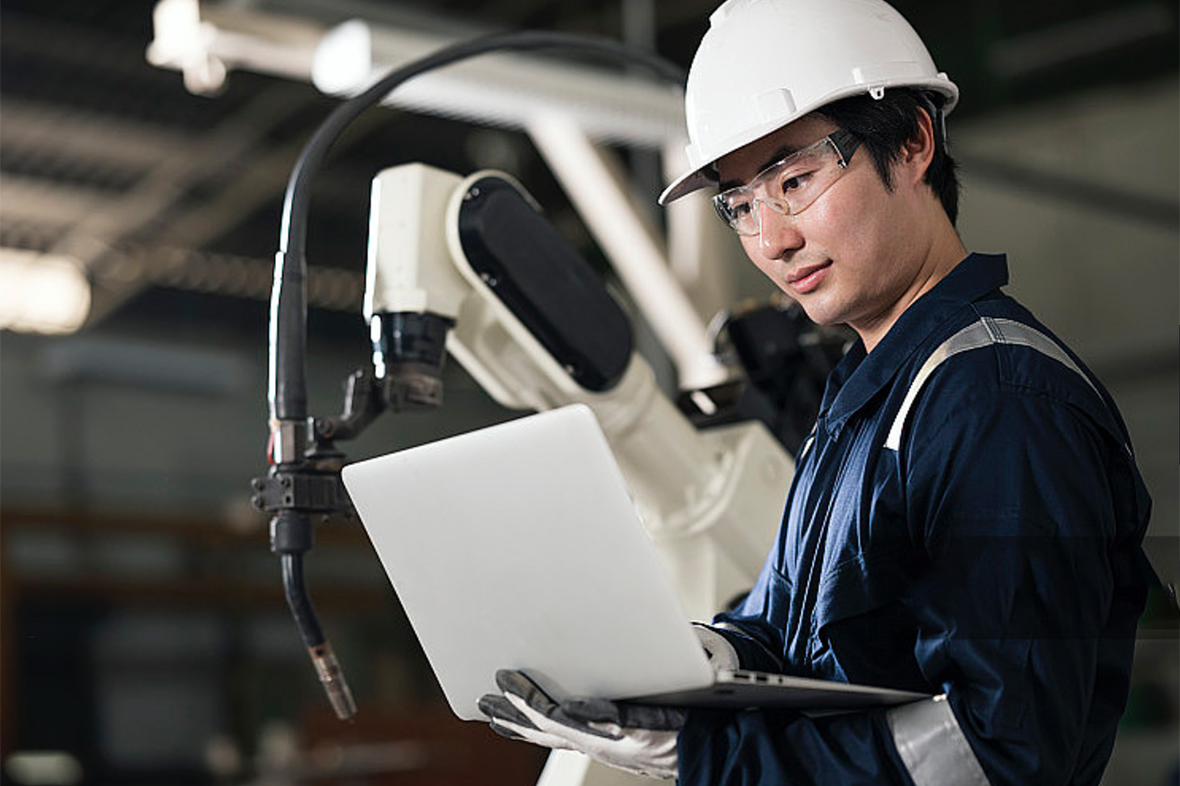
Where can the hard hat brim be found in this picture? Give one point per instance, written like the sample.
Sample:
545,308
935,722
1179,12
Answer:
686,184
696,179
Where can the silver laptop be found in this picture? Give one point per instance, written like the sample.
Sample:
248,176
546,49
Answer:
518,546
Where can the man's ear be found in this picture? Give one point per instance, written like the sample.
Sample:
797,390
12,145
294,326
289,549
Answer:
917,152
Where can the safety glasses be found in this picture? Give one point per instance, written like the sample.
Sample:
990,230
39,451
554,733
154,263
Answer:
788,187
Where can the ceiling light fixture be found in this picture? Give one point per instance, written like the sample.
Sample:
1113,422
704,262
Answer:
42,293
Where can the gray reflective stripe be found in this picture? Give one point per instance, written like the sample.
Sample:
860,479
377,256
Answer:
932,746
973,336
1007,331
807,444
985,332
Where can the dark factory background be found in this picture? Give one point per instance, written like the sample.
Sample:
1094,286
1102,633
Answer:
145,639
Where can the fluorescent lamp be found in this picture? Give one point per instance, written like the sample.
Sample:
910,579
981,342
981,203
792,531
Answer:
502,89
43,768
41,293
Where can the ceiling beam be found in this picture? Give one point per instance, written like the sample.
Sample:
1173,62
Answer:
31,126
172,177
25,199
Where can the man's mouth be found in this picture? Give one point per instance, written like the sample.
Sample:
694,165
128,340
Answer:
808,277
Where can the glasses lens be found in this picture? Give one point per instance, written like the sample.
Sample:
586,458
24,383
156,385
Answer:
736,209
800,180
789,187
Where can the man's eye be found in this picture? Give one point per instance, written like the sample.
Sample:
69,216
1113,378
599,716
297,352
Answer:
795,181
739,208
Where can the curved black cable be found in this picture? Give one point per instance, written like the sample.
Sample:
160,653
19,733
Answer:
301,608
288,383
322,657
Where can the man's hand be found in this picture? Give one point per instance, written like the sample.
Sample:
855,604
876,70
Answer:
638,738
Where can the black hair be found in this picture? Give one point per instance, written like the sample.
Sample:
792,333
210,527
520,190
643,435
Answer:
884,125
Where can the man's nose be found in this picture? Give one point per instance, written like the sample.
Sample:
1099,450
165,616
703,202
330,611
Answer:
778,232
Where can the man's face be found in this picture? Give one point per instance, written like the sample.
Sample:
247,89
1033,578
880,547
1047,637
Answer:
851,256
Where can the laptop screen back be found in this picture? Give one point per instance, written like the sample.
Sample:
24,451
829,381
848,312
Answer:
518,546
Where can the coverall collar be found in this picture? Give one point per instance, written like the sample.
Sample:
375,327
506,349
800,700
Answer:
859,376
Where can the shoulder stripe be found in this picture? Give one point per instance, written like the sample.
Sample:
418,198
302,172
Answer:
1007,331
932,745
986,332
971,337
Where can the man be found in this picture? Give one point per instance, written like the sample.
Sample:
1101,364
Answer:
966,517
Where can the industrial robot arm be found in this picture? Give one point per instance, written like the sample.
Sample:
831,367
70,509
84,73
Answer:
536,328
470,265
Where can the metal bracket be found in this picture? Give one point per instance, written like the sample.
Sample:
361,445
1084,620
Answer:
302,491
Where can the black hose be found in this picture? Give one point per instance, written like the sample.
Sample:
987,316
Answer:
301,608
288,334
322,657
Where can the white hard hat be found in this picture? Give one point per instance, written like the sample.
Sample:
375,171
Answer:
764,63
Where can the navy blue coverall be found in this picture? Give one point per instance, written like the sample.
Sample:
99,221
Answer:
966,520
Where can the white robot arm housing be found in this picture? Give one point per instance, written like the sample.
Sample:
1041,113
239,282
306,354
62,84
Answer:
473,259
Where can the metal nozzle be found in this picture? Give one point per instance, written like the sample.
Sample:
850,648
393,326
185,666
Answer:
333,680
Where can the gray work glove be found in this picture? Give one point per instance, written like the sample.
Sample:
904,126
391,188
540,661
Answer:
722,655
637,738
